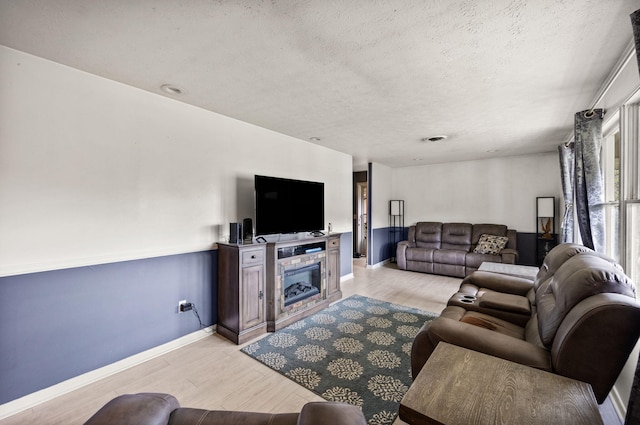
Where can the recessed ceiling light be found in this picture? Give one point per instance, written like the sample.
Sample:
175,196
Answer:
433,138
315,139
170,89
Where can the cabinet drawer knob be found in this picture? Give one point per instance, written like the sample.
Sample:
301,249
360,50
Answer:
253,257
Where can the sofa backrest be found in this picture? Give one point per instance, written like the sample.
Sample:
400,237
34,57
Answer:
457,236
428,234
555,258
494,230
578,278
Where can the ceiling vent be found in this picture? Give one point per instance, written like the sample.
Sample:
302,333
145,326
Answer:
434,138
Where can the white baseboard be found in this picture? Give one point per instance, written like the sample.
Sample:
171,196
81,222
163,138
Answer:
378,265
30,400
618,404
346,277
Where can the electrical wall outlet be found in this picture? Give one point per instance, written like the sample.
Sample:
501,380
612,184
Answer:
180,306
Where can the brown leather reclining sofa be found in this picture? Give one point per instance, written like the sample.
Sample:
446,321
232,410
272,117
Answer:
164,409
510,297
583,320
454,249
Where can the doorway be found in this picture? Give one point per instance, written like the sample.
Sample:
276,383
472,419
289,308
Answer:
362,219
360,214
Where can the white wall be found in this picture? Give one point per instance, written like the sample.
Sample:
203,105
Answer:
625,83
500,190
93,171
381,193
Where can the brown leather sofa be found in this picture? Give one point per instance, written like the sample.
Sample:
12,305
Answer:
448,248
509,297
585,324
164,409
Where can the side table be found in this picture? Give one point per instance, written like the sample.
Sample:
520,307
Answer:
460,386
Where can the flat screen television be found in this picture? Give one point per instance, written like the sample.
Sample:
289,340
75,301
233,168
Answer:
288,206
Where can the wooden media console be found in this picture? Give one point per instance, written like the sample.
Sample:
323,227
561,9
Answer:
267,286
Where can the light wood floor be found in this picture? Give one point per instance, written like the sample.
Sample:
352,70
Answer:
213,374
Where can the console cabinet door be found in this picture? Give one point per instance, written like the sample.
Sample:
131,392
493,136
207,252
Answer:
252,299
241,288
333,269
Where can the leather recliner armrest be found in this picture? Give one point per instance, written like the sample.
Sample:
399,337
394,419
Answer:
191,416
401,253
505,302
321,413
136,409
509,256
499,282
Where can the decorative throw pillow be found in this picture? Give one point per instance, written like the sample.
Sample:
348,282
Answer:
490,244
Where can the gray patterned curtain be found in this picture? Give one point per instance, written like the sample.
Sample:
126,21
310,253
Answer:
589,185
567,167
633,409
635,24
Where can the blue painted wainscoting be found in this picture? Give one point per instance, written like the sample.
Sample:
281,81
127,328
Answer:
59,324
346,256
56,325
382,247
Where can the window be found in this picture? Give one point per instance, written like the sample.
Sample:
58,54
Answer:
633,244
610,164
630,189
620,160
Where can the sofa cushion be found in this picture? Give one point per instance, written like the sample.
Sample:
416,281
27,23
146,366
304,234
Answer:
487,229
420,254
456,236
494,324
420,266
428,234
490,244
449,256
474,260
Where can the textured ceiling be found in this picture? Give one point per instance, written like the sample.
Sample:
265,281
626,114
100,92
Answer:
369,78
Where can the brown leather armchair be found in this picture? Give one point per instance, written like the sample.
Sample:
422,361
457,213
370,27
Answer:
164,409
586,323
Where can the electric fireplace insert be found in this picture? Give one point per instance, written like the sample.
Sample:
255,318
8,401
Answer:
301,283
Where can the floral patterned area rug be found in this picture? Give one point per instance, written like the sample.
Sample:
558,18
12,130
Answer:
355,351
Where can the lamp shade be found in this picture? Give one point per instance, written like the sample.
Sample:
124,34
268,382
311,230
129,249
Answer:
396,207
546,207
635,24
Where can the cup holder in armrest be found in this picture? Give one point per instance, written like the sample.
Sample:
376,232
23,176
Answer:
463,300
